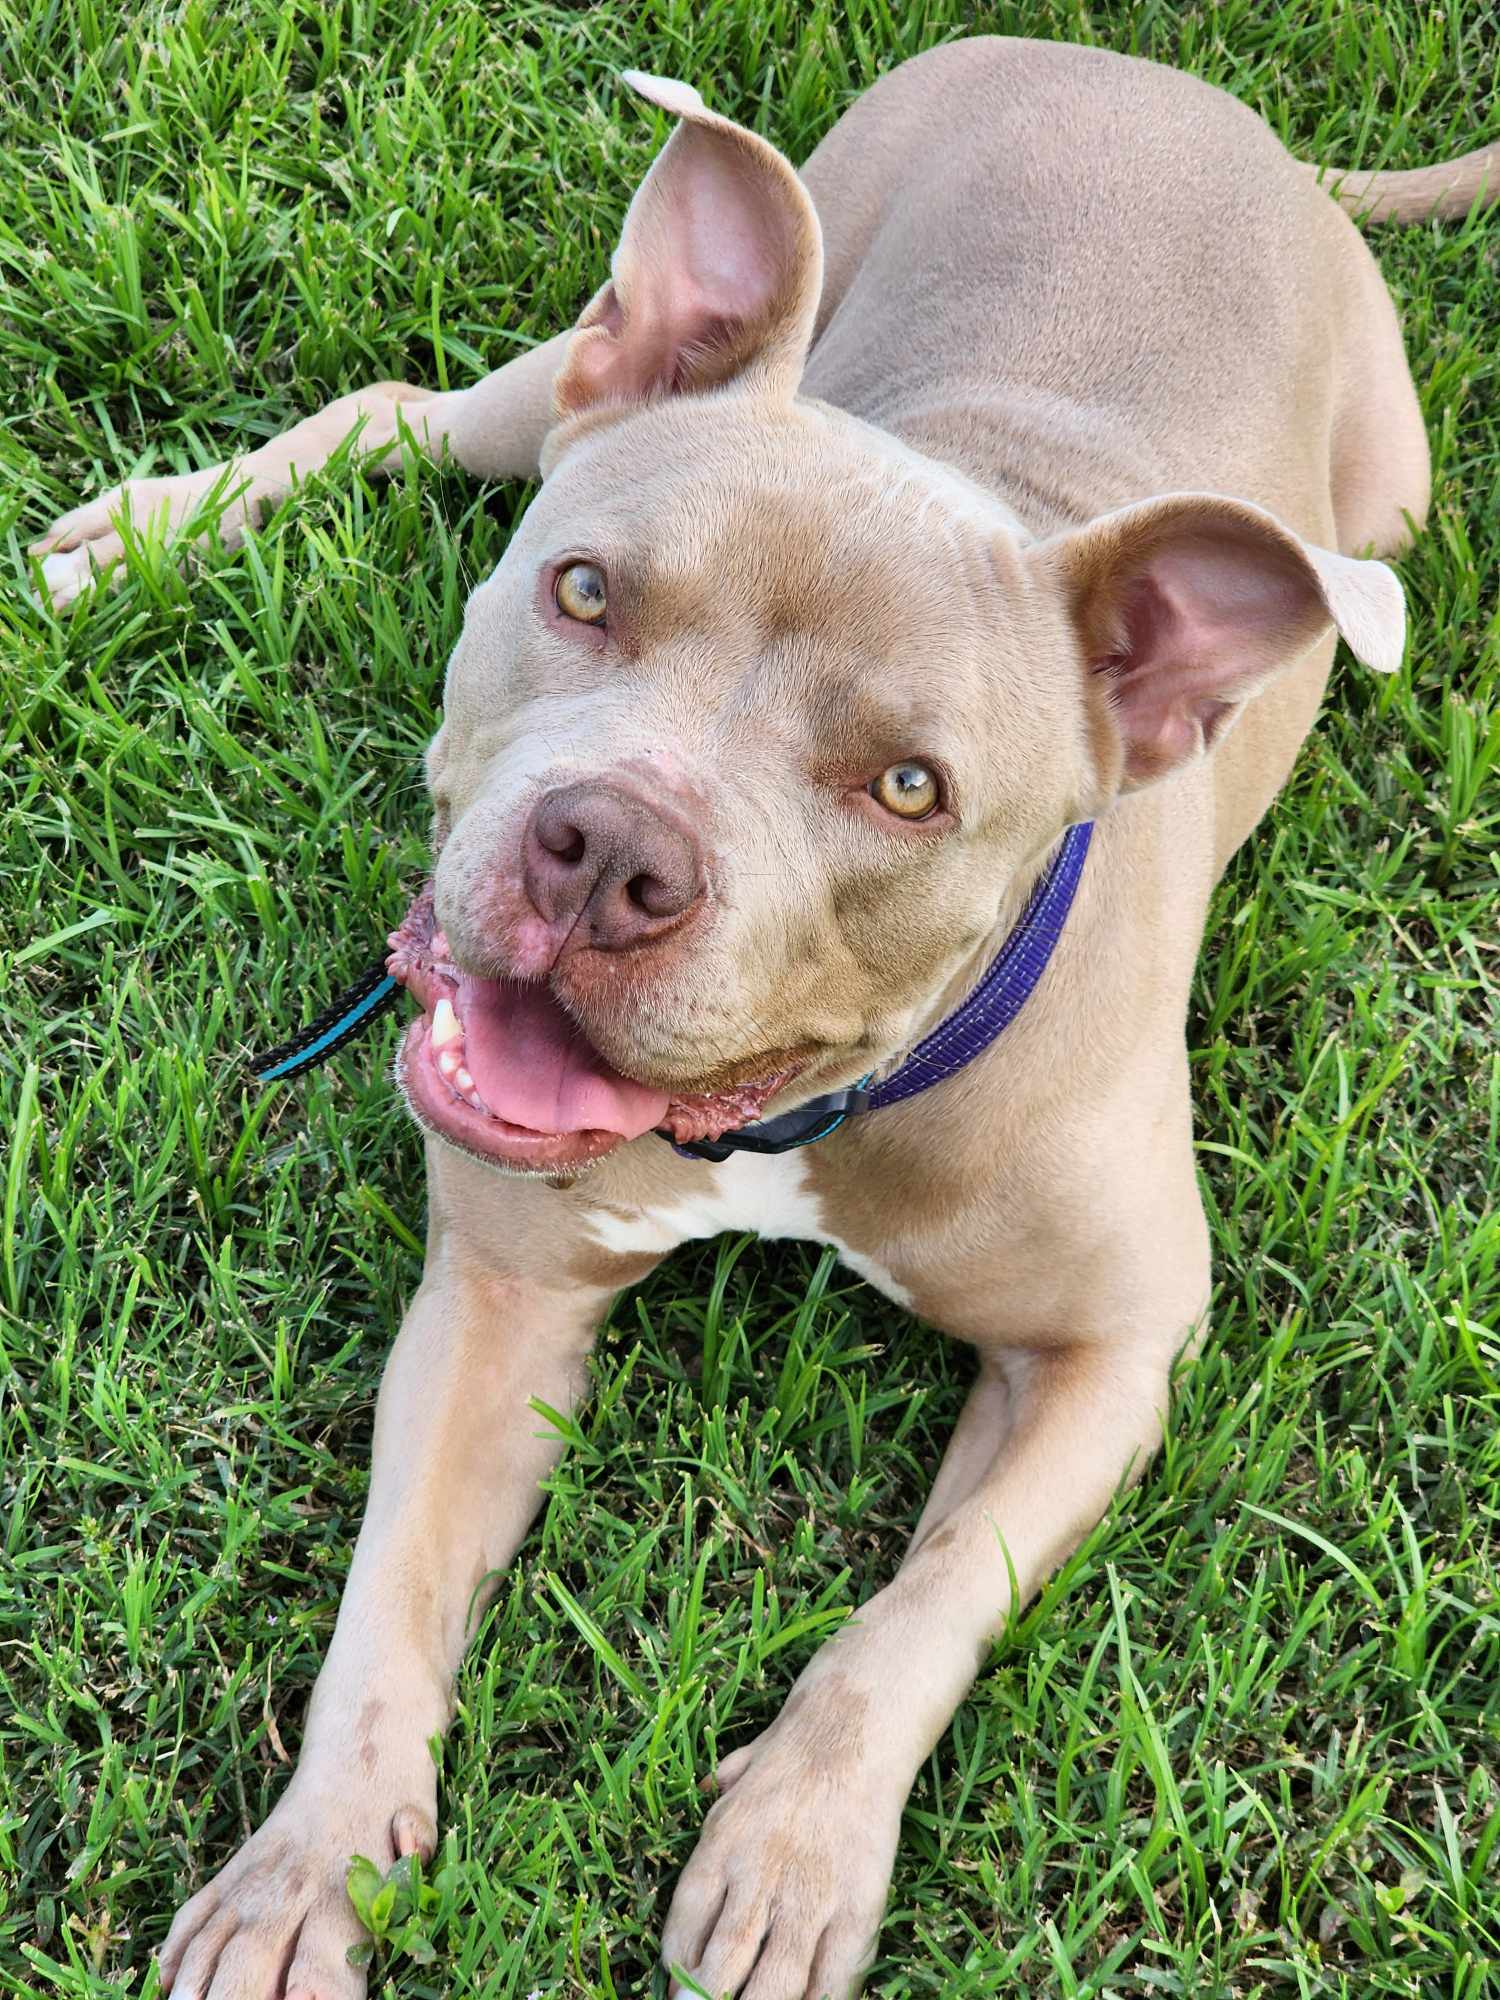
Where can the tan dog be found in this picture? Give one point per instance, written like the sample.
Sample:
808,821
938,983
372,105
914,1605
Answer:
849,588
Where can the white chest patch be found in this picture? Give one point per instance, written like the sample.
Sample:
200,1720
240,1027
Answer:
767,1193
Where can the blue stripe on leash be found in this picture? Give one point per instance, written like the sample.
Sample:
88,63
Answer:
349,1015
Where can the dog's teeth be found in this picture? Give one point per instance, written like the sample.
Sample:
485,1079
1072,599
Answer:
450,1062
463,1082
445,1025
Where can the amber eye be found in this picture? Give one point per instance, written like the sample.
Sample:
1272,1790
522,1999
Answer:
579,591
908,790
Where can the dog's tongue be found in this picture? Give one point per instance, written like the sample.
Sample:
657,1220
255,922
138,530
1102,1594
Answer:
534,1068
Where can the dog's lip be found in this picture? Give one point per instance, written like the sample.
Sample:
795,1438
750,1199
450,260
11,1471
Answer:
436,1103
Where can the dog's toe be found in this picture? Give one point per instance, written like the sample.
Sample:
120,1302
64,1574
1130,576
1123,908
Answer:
189,1923
691,1919
199,1957
734,1766
69,529
735,1941
842,1959
249,1964
68,573
784,1966
320,1968
413,1831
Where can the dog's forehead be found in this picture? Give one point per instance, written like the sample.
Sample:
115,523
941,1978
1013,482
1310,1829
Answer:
797,524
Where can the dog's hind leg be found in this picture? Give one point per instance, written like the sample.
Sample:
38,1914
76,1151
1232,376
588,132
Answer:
494,430
1380,468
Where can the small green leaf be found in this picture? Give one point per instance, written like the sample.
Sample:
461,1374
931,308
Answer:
362,1881
359,1955
416,1946
406,1879
381,1907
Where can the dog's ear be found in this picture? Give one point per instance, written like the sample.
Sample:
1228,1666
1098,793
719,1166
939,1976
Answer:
1187,606
717,275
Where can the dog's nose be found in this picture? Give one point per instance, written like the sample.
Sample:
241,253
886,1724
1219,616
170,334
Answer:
611,861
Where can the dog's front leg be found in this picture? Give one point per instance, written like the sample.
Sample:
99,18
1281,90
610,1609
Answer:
494,430
784,1895
458,1456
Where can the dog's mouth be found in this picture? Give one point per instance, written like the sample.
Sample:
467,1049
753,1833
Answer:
499,1069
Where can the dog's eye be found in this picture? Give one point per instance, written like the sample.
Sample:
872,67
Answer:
580,593
908,790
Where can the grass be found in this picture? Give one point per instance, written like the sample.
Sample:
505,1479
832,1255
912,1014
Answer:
1249,1743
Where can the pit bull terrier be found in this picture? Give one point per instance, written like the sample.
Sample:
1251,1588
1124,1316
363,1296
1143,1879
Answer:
1006,474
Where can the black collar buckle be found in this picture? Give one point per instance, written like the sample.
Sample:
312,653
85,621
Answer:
783,1134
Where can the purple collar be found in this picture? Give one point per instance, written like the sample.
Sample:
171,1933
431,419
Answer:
954,1042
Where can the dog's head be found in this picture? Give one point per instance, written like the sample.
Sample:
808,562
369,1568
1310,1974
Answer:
752,733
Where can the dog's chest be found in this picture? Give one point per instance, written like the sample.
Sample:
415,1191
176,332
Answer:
764,1193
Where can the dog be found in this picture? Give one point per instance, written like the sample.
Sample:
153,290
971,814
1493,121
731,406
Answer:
956,532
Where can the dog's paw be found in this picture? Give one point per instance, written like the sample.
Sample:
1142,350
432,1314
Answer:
276,1922
783,1897
81,547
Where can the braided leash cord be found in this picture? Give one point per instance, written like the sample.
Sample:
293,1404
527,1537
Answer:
369,997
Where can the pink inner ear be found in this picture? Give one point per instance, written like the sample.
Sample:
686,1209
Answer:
704,264
710,264
733,259
1200,623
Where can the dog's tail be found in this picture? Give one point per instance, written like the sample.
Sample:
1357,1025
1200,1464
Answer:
1449,189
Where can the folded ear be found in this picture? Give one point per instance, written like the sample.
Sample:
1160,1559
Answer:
717,274
1188,605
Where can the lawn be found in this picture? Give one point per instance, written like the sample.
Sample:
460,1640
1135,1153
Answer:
1249,1742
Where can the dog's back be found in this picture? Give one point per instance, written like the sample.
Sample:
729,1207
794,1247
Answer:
1065,235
